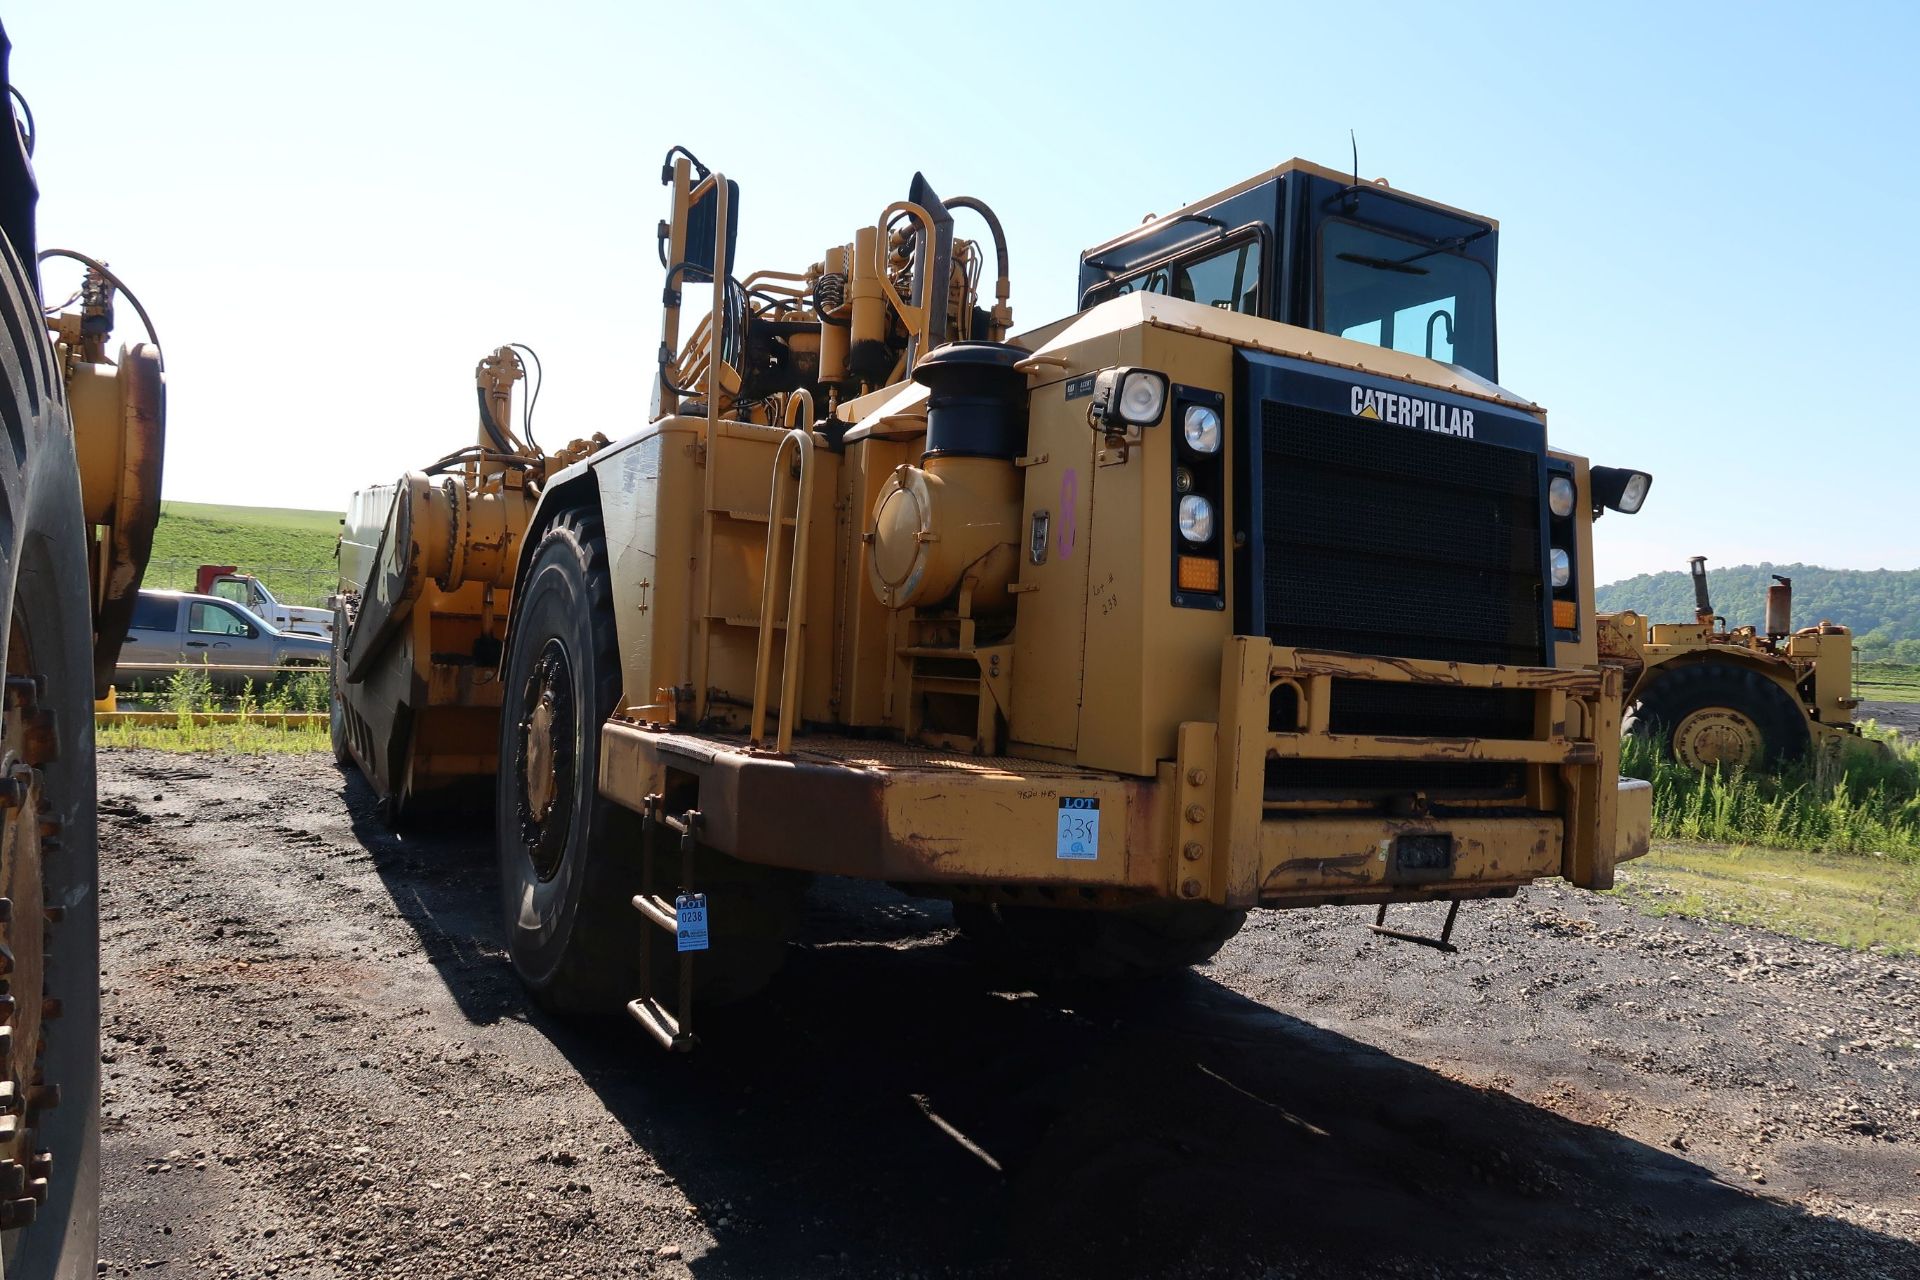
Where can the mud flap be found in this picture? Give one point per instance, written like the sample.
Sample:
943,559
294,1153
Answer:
1633,825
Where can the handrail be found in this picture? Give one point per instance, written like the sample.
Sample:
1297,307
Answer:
801,438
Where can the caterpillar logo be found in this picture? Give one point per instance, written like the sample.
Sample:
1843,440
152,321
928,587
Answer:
1406,411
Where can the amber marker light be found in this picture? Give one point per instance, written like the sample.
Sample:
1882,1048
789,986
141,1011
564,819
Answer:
1199,573
1564,612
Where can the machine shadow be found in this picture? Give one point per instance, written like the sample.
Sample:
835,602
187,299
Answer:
884,1110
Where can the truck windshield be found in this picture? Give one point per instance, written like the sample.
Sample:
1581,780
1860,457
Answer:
1405,294
1228,278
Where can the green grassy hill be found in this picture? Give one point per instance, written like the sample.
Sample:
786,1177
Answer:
1881,605
289,550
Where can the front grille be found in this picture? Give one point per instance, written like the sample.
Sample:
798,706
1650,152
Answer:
1398,542
1304,780
1428,710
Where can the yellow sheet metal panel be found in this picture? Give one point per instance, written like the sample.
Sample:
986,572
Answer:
1153,665
1050,608
862,653
1355,856
1633,828
649,502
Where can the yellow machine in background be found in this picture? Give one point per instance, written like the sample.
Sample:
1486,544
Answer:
1246,585
426,568
82,427
1741,698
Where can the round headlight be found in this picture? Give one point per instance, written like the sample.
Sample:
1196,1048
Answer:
1142,396
1196,518
1560,496
1560,567
1634,493
1202,427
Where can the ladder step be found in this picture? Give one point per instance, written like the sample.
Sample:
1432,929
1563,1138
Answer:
661,1025
659,910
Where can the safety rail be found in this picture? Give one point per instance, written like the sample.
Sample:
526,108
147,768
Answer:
801,438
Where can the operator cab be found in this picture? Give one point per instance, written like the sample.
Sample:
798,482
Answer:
1311,247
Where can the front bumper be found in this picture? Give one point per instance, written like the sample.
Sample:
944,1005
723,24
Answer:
1204,827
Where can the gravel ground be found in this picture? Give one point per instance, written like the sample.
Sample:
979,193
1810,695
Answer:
317,1065
1904,716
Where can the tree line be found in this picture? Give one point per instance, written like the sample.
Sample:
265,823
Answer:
1882,606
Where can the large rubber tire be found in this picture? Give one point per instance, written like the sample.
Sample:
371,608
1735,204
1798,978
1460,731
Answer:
1046,945
568,868
1684,689
570,862
49,855
337,731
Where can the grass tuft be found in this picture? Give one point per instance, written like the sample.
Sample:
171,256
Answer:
1866,802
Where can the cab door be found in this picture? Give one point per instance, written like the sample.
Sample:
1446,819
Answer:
153,639
222,636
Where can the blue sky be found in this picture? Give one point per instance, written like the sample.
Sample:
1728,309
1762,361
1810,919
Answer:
1706,211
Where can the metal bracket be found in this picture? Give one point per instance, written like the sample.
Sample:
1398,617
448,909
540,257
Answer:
1441,943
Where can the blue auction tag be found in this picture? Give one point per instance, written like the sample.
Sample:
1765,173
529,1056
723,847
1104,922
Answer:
691,910
1077,838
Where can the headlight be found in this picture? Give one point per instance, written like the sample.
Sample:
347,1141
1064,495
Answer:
1560,496
1560,567
1619,488
1202,426
1196,518
1142,396
1127,397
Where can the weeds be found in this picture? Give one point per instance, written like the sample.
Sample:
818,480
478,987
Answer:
191,691
245,737
1862,802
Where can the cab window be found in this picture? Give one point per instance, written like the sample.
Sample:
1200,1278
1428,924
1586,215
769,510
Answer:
216,620
1227,279
1390,291
155,613
231,590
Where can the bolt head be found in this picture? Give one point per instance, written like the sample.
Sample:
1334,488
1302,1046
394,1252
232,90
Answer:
1193,851
1197,777
1196,813
1190,889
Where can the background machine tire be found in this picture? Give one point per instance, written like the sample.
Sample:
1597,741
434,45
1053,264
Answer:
1715,703
570,860
337,731
1057,944
50,1021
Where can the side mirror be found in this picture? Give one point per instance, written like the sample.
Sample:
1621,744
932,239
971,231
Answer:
703,220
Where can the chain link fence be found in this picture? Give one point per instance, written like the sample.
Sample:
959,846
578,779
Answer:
290,584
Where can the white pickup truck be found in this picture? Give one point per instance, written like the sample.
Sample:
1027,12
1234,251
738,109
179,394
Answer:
250,593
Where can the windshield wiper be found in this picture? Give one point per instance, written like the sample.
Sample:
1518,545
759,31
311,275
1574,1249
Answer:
1383,264
1452,244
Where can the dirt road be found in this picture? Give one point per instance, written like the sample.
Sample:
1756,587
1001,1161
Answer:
317,1065
1904,716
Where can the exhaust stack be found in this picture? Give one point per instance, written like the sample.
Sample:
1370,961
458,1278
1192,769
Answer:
1780,608
1702,603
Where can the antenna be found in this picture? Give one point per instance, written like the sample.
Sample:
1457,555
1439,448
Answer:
1356,157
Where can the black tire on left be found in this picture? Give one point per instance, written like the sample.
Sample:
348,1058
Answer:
568,873
49,856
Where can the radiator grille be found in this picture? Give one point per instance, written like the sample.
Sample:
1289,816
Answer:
1441,711
1398,542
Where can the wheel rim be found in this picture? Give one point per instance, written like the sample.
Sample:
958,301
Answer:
543,760
1717,736
27,1010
